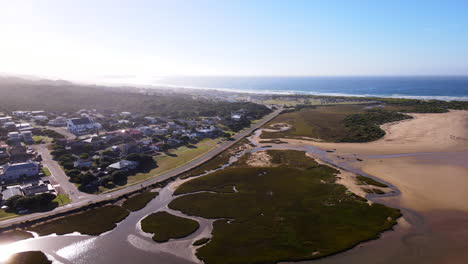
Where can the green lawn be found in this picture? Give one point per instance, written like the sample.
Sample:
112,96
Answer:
91,222
294,211
4,215
166,226
139,201
62,199
166,163
46,171
42,139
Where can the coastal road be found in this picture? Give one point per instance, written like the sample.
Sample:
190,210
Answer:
80,199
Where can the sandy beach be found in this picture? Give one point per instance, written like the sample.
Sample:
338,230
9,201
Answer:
425,157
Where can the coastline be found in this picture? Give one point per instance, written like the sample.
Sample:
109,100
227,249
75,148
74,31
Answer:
425,158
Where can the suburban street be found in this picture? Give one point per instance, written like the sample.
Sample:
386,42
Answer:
58,175
80,199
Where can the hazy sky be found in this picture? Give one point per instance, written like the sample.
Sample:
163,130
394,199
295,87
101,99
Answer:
222,37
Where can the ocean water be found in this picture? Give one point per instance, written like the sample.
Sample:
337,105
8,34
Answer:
442,88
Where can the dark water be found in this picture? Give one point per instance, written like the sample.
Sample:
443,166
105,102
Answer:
443,88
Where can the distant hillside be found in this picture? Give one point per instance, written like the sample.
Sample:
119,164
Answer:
62,96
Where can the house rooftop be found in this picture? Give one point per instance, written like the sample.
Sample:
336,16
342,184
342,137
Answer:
11,191
81,121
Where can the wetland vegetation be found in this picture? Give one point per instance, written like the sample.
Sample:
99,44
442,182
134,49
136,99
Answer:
139,201
29,257
165,226
289,210
91,222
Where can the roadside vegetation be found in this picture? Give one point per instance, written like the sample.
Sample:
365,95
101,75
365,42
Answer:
28,204
29,257
166,226
6,215
139,201
92,222
219,160
46,171
290,211
62,199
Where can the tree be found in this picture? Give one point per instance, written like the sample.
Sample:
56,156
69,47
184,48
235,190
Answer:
119,177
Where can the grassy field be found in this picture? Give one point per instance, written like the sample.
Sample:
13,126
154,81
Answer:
337,123
291,212
4,215
42,139
139,201
62,199
46,171
29,257
177,158
166,226
92,222
13,236
325,122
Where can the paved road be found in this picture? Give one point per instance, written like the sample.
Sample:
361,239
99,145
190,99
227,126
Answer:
82,201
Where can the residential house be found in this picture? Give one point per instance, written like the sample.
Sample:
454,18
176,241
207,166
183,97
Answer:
9,125
37,188
151,119
21,113
236,116
82,164
13,172
81,126
148,131
5,119
205,129
40,112
19,154
3,151
39,118
58,122
14,136
95,141
10,191
23,125
27,137
126,165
